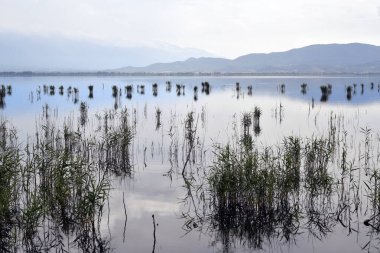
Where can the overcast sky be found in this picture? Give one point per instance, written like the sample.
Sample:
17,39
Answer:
223,27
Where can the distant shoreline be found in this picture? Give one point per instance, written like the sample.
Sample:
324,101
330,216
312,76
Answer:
105,74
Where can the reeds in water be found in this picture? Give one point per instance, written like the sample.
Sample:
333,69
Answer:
52,192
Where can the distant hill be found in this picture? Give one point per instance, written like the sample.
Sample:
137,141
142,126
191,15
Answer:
327,58
39,53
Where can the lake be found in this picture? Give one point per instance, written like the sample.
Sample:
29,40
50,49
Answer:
190,164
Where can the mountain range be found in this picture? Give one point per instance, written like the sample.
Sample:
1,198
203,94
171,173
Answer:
322,58
38,53
56,54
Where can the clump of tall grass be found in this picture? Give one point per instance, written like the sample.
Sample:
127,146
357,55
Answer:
255,191
83,109
118,140
190,130
10,165
250,196
290,166
318,154
256,120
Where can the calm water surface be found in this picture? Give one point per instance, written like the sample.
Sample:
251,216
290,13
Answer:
157,187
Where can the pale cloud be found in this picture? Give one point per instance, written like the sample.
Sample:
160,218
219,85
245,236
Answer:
224,27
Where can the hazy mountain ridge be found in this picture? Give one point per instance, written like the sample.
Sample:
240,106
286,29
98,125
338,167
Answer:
322,58
53,54
38,53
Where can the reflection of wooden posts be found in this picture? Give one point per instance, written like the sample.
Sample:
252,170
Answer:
282,88
362,91
9,90
115,95
155,89
206,88
52,90
250,90
180,89
304,88
46,89
349,93
61,90
115,91
76,95
141,89
325,93
195,93
91,92
168,86
128,90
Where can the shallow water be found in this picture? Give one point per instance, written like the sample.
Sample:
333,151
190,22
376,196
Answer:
218,117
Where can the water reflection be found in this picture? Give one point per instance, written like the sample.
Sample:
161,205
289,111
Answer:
255,196
238,172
